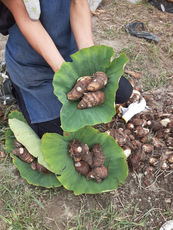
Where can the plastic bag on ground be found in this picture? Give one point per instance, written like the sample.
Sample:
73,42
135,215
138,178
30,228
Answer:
163,5
133,29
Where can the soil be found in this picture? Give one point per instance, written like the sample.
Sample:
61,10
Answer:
153,62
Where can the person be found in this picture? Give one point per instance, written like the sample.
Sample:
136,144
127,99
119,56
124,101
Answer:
36,49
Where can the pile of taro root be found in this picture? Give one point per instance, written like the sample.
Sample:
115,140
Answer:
87,90
147,138
22,153
89,163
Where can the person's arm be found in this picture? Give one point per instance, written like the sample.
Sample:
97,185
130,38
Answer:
35,34
80,19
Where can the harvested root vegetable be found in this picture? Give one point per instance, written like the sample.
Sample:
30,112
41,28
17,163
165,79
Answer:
169,142
141,132
136,96
79,89
127,151
89,163
155,125
82,167
39,167
91,99
119,136
23,154
98,82
170,159
98,155
98,174
17,144
164,166
135,144
137,121
144,139
130,126
136,160
165,122
88,158
147,148
153,161
78,149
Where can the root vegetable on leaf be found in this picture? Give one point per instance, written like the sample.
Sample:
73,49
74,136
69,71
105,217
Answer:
88,88
39,167
79,89
78,149
98,155
89,163
82,167
91,99
17,144
23,154
98,82
98,173
88,158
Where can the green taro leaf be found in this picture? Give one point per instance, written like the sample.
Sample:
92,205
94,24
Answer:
9,140
20,130
27,137
34,177
87,62
56,153
18,115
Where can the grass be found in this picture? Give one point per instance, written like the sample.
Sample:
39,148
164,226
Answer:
154,81
110,32
20,202
110,218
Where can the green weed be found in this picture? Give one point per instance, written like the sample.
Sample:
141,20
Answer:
109,218
150,81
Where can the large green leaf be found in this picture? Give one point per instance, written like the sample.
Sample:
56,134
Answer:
20,130
27,137
34,177
86,62
18,115
55,150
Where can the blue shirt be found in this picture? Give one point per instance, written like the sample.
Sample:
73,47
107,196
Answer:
29,71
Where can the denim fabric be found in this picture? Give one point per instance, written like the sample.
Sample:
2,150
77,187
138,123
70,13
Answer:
29,71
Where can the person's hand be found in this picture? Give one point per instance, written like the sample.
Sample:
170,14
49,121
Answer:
134,108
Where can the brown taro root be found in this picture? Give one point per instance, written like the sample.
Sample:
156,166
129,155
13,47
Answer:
88,163
98,82
137,122
170,159
130,126
141,132
82,167
23,154
39,167
91,99
88,157
147,148
78,149
98,174
136,160
120,137
79,89
155,125
17,144
98,155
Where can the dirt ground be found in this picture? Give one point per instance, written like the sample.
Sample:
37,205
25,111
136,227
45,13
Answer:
154,62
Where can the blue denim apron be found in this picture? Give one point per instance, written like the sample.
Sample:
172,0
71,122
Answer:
29,71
